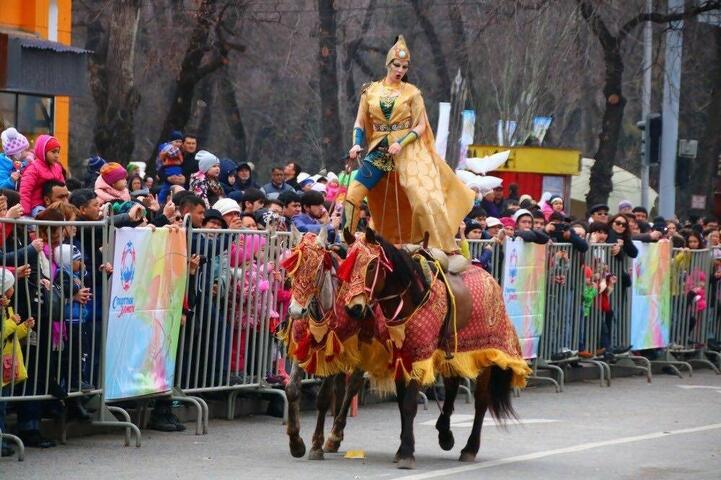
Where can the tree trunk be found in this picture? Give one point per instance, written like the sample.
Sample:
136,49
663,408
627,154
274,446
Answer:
439,59
461,49
601,172
112,80
193,69
331,130
235,120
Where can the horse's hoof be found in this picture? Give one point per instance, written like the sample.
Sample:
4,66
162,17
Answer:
446,440
467,457
297,448
315,455
396,458
331,445
408,463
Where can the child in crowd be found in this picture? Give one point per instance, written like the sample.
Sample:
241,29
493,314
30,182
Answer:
45,167
112,184
13,158
69,261
204,183
170,153
554,204
14,330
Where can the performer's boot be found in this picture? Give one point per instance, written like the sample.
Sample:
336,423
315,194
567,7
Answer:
353,199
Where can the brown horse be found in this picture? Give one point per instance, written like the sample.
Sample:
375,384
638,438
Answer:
311,266
477,341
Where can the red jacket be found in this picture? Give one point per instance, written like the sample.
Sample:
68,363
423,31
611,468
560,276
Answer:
36,175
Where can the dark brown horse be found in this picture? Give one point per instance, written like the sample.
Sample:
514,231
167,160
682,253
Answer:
377,274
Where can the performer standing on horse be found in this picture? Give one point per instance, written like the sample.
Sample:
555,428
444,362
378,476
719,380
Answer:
410,189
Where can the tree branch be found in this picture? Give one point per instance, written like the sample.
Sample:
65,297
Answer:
657,17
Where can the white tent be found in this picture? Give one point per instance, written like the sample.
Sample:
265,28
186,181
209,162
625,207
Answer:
626,186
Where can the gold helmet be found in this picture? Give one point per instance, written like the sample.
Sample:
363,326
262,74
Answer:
399,51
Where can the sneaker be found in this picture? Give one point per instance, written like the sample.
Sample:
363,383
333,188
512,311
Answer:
7,451
162,422
33,439
622,350
172,418
714,345
585,354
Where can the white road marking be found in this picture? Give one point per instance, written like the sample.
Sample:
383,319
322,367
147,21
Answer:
699,387
464,420
558,451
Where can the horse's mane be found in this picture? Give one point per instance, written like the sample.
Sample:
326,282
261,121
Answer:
406,271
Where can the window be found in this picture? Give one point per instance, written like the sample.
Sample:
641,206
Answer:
32,115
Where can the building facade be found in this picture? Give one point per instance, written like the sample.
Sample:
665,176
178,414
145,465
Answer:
39,69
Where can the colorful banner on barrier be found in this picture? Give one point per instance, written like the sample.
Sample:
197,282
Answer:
146,301
651,296
524,291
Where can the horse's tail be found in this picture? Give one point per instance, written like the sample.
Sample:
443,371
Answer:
499,394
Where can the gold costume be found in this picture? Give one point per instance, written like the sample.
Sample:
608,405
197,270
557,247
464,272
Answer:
421,193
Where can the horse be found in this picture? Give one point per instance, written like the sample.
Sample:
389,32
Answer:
311,266
476,341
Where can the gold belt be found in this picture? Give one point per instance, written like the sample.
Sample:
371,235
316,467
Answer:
392,127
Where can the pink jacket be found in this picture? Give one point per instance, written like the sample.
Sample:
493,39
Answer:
106,193
38,173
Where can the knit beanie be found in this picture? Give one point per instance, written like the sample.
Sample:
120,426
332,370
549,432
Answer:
112,172
176,135
13,142
7,280
206,160
65,254
95,163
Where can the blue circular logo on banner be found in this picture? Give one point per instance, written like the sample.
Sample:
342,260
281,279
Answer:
127,266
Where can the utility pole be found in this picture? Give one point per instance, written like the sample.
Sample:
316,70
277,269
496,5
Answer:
671,94
646,100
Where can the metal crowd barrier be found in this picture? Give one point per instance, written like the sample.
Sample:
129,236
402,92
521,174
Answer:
693,306
227,344
62,353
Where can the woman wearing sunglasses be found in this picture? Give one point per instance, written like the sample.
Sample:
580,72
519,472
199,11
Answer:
620,235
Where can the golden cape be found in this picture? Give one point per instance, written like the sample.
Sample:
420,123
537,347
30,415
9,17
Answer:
422,184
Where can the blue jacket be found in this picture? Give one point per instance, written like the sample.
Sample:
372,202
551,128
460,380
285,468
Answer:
305,223
272,192
7,166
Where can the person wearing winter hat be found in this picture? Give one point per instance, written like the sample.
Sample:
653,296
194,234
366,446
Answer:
554,204
112,184
230,211
204,183
625,206
169,177
213,219
305,182
170,153
244,177
92,170
45,167
524,228
14,331
12,158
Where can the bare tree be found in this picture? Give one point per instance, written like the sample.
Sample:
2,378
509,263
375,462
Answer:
611,44
331,144
112,78
207,51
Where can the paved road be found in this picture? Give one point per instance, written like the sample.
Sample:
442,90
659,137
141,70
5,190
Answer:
666,430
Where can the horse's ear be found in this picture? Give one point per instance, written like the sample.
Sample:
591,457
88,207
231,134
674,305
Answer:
426,238
348,237
322,237
371,236
294,234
